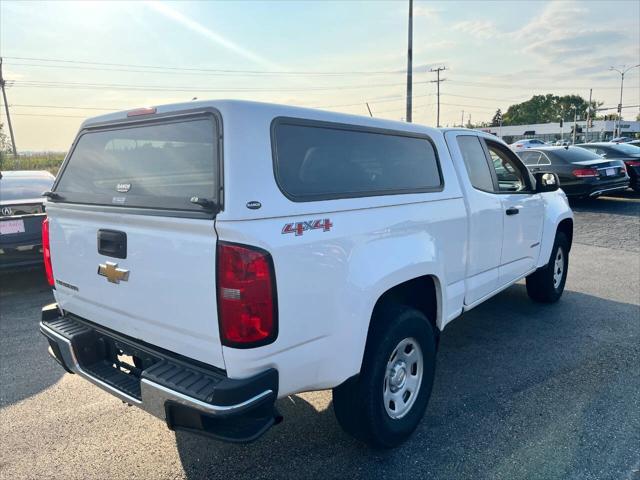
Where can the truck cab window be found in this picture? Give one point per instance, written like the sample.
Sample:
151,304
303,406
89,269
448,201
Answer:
475,161
509,173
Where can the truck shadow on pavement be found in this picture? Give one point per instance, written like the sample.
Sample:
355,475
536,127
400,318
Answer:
25,366
520,392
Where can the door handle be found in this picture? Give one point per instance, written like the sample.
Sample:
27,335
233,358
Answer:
512,211
112,243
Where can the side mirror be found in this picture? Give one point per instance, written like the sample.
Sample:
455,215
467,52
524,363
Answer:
546,182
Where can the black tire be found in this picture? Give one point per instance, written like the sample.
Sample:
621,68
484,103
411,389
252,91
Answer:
540,284
359,402
636,187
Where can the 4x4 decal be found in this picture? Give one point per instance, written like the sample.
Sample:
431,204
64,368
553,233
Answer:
300,227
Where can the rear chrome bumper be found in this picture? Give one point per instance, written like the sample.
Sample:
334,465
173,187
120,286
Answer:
602,191
245,409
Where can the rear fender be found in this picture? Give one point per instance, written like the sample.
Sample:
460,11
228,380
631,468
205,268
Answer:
416,257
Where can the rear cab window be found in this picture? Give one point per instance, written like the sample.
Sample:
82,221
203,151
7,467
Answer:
322,160
576,154
156,164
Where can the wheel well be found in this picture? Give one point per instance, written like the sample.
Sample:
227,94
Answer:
419,293
566,227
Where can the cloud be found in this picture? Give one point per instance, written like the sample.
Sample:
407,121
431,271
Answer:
426,12
483,29
215,37
562,32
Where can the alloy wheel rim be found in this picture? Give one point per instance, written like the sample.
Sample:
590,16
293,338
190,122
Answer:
403,378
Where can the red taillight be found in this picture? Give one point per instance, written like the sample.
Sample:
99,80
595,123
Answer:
519,145
246,296
585,172
633,163
46,251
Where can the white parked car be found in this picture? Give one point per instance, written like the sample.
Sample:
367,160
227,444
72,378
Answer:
209,258
526,143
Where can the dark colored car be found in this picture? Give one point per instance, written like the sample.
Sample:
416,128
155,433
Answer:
628,153
581,172
21,215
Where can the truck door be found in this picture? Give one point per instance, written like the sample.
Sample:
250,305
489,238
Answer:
523,213
486,215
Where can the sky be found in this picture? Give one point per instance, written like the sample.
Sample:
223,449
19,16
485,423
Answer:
66,61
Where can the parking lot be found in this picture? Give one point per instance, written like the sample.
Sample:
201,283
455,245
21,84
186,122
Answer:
522,391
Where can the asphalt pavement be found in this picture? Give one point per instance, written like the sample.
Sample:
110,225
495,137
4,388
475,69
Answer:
522,391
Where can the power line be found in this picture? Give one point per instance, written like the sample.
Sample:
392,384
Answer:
372,100
114,109
65,107
523,86
211,70
48,115
134,87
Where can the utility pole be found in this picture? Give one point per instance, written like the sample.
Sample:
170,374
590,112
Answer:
409,63
621,72
6,109
462,119
588,115
575,120
437,81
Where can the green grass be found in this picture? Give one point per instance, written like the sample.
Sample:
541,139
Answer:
43,161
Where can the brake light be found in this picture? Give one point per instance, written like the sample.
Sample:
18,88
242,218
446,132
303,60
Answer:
46,251
585,172
519,145
247,303
141,111
633,163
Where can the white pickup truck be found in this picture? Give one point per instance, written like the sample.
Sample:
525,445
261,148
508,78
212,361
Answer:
208,258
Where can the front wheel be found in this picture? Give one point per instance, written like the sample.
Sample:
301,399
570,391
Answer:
547,283
384,404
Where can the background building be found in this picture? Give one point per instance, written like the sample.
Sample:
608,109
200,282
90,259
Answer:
601,130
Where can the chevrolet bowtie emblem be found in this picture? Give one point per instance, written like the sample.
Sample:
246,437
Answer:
112,272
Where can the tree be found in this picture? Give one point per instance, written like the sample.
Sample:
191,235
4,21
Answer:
5,145
497,118
608,116
547,108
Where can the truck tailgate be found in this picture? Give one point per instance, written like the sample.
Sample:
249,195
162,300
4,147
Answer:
168,298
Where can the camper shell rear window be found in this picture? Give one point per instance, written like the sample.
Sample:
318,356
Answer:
157,164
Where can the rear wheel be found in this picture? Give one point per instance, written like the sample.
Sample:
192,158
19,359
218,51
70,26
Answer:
547,283
384,404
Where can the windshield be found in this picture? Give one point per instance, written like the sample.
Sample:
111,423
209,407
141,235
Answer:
160,165
23,187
